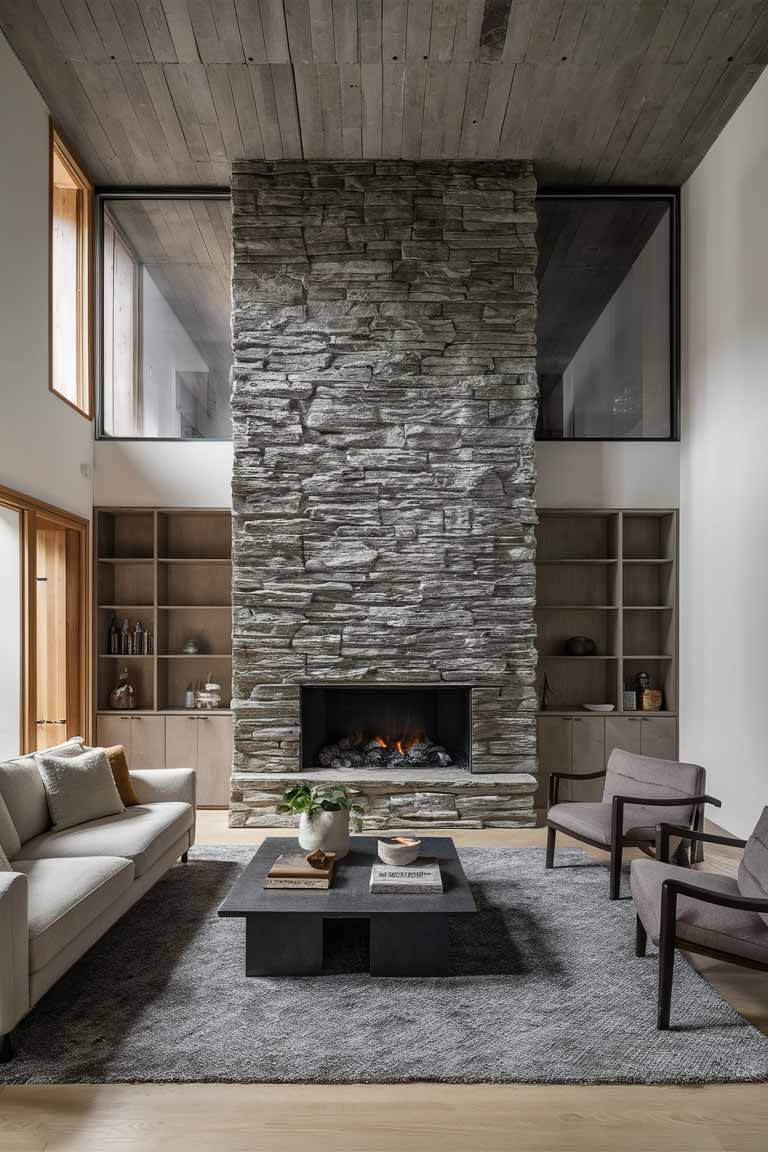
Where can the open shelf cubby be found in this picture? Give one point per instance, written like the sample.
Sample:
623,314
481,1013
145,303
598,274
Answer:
610,575
171,570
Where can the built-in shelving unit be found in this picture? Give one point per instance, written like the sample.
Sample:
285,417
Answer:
611,576
170,569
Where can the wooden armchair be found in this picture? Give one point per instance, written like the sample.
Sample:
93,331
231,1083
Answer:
702,912
639,792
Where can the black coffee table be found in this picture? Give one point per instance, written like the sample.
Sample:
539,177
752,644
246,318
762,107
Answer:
284,927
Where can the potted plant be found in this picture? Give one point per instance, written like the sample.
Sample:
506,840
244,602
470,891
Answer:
325,812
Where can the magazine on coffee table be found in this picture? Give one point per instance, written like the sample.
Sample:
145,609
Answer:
421,878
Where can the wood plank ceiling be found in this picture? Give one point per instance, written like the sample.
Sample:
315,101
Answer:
595,91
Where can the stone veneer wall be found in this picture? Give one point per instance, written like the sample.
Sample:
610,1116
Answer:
384,408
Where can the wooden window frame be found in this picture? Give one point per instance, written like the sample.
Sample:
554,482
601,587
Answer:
84,318
79,679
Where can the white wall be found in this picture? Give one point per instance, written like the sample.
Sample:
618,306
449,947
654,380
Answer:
187,474
607,474
43,442
10,632
165,350
724,466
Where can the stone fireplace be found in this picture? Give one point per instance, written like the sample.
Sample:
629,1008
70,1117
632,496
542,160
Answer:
384,407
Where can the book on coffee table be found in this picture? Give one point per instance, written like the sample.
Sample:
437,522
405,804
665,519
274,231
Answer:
293,870
420,878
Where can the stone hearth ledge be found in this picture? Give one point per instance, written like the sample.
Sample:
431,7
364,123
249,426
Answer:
433,797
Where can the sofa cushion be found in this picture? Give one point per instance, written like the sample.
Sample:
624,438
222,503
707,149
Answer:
9,837
593,821
118,762
711,926
5,864
652,779
21,787
65,896
78,788
753,869
141,834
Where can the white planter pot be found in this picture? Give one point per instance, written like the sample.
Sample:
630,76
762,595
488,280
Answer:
326,830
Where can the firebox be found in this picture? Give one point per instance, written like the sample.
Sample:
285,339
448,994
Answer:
381,728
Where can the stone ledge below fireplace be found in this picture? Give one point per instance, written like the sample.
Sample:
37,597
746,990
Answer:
434,797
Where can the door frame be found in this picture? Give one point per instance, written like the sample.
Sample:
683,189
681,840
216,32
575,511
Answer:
78,544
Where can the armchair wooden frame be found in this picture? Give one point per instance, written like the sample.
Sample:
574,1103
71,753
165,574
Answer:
668,938
618,840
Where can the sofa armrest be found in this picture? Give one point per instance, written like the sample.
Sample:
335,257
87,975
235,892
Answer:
155,785
14,950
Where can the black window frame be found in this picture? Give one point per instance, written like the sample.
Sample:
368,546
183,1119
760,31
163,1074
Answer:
672,196
102,194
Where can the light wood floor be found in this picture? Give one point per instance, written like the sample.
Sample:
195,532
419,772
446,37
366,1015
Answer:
401,1118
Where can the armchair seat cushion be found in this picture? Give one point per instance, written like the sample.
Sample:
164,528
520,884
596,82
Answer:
141,834
726,929
65,896
593,821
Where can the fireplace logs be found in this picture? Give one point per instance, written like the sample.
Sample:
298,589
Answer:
361,751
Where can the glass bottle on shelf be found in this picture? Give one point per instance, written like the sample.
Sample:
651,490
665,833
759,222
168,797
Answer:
114,638
138,640
123,697
125,639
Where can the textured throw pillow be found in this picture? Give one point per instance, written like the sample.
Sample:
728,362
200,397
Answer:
119,765
78,788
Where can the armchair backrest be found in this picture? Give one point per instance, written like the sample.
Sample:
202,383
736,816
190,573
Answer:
644,776
753,869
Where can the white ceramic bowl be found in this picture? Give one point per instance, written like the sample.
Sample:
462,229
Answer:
399,850
600,707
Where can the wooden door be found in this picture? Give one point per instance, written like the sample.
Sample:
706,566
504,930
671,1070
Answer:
147,742
587,755
214,760
111,730
622,732
659,737
554,753
51,720
181,741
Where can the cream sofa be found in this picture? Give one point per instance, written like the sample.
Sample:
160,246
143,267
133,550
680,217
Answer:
67,888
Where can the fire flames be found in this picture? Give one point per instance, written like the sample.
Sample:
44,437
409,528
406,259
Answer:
404,749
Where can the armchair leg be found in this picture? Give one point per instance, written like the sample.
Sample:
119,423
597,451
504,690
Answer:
641,937
550,860
666,957
185,857
7,1048
616,858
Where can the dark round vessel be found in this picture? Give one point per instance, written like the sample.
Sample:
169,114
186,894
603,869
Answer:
580,646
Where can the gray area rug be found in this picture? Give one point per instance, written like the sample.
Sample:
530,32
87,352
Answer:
546,989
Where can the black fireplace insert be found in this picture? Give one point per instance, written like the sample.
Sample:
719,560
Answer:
377,727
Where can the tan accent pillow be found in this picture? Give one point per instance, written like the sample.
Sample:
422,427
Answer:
119,765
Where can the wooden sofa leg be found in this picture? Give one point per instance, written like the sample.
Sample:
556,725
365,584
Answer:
641,937
550,859
185,857
7,1048
616,857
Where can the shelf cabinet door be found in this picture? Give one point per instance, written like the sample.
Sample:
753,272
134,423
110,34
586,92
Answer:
181,741
623,732
111,730
214,760
587,755
147,742
659,737
554,753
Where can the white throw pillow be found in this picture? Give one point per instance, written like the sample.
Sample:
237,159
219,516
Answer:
5,864
78,788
